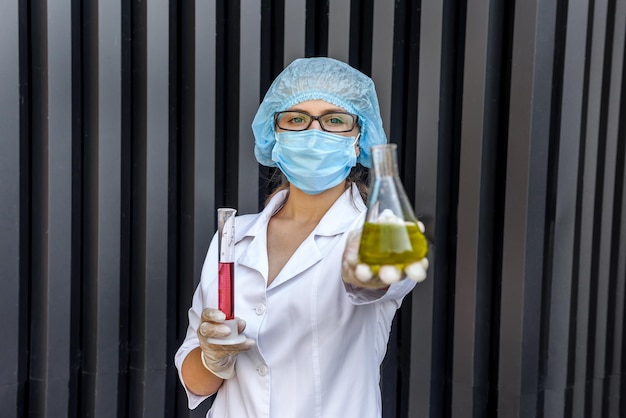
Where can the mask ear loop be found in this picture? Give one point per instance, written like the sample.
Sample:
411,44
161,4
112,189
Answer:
356,139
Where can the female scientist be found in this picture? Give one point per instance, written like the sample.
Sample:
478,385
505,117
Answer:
315,342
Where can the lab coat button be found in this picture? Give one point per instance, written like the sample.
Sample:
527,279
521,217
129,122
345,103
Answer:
260,310
262,369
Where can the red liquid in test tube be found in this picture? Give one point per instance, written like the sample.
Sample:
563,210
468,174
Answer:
226,264
226,291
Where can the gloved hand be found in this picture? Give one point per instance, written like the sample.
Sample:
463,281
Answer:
360,274
219,359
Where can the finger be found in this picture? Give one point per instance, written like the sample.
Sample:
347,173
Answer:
223,350
373,284
213,315
351,255
416,271
244,346
389,274
241,325
368,276
354,235
209,330
348,272
363,273
351,251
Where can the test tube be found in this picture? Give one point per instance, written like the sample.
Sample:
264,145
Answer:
226,275
226,262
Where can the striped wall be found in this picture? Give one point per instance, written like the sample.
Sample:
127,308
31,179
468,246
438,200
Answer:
125,124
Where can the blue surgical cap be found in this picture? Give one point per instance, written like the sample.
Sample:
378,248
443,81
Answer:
320,79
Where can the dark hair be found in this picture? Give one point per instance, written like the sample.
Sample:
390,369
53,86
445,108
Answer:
358,175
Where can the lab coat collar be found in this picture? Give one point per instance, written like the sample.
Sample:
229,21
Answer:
339,218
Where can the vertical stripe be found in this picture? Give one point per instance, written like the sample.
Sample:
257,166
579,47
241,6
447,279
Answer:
615,365
426,167
204,128
609,241
587,293
295,24
339,30
157,158
471,169
109,214
56,193
559,344
382,57
249,81
10,209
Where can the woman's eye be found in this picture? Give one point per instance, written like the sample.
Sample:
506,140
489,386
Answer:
334,119
296,120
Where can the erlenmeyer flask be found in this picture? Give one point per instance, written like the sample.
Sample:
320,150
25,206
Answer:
391,235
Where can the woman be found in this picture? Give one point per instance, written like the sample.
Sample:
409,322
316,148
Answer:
314,342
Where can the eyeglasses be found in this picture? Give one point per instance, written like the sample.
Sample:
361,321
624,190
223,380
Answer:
289,120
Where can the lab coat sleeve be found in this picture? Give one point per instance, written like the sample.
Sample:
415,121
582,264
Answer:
199,302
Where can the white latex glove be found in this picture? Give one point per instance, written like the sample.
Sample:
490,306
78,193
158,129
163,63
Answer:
360,274
219,359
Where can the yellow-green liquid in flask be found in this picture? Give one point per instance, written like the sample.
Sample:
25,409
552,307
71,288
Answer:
386,243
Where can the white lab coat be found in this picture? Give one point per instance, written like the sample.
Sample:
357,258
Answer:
319,342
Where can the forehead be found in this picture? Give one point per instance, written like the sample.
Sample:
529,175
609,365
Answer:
316,107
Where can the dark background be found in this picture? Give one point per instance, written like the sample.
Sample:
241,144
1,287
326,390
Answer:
125,124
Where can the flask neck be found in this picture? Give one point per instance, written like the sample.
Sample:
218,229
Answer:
384,160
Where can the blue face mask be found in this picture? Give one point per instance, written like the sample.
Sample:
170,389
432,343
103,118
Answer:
314,160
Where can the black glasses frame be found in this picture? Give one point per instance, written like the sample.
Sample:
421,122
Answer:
355,120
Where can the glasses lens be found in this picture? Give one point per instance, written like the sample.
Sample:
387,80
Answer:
331,122
293,121
337,122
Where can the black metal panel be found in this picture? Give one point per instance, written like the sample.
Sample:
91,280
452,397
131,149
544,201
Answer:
227,102
181,180
25,207
587,337
85,108
448,163
361,35
132,313
128,114
37,365
612,61
612,389
316,40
